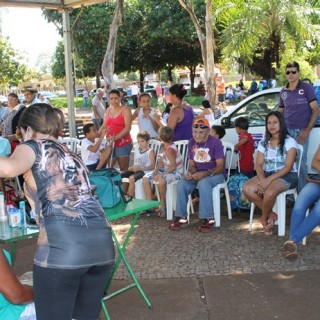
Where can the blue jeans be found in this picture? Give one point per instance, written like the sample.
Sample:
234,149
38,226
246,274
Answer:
300,225
205,186
294,133
85,102
69,293
97,123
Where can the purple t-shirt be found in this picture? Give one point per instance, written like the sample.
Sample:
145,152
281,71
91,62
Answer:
205,154
183,129
297,111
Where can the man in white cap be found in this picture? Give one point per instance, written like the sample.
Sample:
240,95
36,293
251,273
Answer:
98,108
30,96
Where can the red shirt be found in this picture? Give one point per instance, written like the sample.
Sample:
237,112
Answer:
115,125
246,152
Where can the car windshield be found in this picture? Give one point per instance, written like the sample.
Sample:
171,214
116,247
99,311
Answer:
256,110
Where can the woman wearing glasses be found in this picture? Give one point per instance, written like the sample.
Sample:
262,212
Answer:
11,118
205,171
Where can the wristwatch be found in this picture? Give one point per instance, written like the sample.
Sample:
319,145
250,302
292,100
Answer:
211,172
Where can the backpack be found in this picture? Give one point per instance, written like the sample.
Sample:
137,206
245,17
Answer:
235,185
109,187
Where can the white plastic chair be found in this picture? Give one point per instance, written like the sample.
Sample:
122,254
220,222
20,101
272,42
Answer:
280,205
139,193
72,143
171,194
228,150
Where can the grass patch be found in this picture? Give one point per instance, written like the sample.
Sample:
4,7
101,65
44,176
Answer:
78,102
63,102
195,100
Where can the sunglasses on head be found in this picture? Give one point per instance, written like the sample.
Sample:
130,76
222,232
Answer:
291,71
201,126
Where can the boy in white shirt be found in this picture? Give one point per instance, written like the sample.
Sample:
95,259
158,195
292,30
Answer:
95,152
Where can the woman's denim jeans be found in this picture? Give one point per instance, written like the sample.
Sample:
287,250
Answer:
301,225
294,133
205,186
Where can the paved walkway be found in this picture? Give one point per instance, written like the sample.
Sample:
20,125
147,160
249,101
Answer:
229,273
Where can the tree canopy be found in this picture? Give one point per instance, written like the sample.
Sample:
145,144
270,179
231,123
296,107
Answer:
256,33
11,69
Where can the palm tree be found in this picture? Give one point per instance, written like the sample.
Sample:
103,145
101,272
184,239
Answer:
256,32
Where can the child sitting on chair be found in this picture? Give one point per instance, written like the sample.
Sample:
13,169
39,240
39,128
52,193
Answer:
144,162
95,152
168,169
245,146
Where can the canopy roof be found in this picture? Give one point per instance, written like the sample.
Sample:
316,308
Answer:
49,4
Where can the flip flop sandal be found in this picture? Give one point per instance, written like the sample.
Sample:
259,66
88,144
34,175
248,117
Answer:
206,225
178,223
272,220
268,231
290,250
162,213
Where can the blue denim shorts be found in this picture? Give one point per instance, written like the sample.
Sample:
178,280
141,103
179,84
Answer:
124,151
290,180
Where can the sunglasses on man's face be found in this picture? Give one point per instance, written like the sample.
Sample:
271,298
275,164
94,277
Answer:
291,71
201,126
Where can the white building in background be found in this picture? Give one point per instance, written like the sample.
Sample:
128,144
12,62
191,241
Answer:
184,75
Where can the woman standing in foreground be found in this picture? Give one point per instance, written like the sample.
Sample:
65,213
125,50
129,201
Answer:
276,169
75,252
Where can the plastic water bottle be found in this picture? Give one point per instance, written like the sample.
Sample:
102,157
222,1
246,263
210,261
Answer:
23,218
3,216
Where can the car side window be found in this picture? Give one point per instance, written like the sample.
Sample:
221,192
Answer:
255,110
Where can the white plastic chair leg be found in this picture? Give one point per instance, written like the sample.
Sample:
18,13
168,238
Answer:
216,206
139,192
169,200
281,211
227,195
252,207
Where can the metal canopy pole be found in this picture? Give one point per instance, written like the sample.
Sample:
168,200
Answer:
68,69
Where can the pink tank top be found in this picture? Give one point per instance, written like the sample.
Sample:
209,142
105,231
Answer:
115,125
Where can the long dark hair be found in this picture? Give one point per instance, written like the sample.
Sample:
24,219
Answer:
167,108
283,132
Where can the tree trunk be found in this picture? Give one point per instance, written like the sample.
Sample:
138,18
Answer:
107,67
210,73
141,77
192,70
98,77
206,44
169,70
